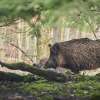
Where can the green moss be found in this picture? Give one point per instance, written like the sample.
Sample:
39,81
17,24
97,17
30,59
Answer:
84,88
85,85
44,90
95,96
43,87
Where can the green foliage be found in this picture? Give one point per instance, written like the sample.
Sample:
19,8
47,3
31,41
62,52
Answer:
72,13
44,90
87,86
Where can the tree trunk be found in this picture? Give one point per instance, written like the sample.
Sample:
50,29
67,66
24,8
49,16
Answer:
47,74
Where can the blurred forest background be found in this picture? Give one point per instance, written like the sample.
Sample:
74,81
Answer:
26,29
30,25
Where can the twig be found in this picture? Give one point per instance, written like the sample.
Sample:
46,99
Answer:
22,51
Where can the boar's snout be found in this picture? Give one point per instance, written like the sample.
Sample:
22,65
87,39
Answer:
50,64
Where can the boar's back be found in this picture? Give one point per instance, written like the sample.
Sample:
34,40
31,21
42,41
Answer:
80,54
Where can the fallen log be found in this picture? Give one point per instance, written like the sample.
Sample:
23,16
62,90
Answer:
7,76
47,74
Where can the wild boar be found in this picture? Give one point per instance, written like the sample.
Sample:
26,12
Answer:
76,55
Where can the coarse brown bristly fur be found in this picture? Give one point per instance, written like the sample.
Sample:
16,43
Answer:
76,55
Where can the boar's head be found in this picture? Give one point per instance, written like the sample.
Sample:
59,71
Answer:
55,58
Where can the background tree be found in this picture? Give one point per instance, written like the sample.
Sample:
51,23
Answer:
75,12
83,15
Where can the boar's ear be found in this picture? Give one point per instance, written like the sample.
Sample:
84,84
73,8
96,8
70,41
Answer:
49,45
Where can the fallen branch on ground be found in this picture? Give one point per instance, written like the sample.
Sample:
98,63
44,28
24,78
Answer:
7,76
47,74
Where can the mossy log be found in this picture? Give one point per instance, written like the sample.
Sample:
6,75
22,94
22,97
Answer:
6,76
47,74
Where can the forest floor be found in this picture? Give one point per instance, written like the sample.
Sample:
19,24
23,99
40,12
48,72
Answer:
84,88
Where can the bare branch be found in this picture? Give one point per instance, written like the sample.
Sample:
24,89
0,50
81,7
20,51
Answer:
47,74
22,51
